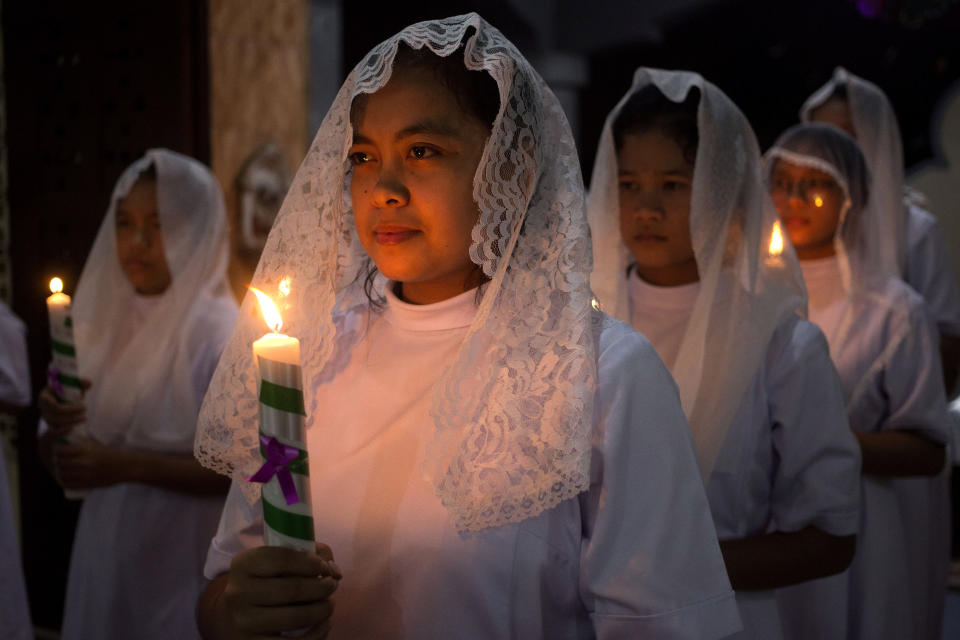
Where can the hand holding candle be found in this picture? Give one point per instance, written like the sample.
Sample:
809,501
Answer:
287,515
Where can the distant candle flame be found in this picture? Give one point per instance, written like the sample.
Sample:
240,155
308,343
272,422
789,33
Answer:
595,304
56,285
817,201
284,287
269,310
776,240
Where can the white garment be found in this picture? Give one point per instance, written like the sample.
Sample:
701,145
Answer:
14,366
929,271
799,464
138,554
891,377
634,556
14,612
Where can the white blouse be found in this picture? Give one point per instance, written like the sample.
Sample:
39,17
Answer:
635,556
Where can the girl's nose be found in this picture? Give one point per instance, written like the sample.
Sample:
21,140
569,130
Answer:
390,191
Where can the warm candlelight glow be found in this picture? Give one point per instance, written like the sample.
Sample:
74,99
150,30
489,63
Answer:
595,304
817,201
284,287
776,240
56,285
269,310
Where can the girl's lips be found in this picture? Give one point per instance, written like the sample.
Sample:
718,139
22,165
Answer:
393,235
649,237
795,222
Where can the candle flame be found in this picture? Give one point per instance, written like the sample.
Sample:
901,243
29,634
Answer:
269,310
776,240
284,287
595,304
817,201
56,285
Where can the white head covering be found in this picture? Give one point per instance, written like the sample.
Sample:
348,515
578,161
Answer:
862,228
143,392
878,135
744,290
513,413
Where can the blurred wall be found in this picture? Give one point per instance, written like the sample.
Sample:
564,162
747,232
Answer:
258,94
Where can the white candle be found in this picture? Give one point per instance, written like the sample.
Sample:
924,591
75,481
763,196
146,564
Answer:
62,345
284,477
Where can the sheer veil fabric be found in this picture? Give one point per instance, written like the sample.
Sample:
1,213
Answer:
128,359
521,444
745,290
878,135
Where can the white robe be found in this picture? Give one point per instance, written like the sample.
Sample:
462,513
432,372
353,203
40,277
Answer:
787,463
929,271
634,557
884,347
136,567
14,390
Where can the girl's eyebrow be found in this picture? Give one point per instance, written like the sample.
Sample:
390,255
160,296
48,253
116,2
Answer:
428,126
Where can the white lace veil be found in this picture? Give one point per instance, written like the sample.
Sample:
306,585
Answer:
514,412
878,135
745,291
858,240
143,392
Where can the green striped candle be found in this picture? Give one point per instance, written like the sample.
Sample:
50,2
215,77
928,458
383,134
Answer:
62,345
285,474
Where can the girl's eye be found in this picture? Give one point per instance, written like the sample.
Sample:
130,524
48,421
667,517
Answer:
626,185
420,152
674,185
359,158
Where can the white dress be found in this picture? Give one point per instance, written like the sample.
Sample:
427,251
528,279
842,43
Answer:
136,567
884,347
787,463
634,557
929,270
14,390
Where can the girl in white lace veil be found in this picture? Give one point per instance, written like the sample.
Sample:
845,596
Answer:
884,348
517,431
724,314
151,314
745,290
866,114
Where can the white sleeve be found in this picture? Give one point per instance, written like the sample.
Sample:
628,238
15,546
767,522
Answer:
14,368
817,478
650,562
240,528
930,272
913,380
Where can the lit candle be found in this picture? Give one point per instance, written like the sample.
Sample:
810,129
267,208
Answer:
776,241
285,475
63,372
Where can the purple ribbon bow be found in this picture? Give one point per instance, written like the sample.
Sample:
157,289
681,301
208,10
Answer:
279,457
53,377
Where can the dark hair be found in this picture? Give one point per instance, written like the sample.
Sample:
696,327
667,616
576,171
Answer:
476,92
839,92
649,110
149,174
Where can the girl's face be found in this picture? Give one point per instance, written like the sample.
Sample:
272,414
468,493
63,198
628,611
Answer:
655,183
139,240
415,152
810,203
835,111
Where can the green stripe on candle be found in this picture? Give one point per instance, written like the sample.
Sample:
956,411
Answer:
282,398
68,322
300,466
69,381
289,524
63,347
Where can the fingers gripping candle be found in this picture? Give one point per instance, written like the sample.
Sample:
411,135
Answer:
284,476
63,370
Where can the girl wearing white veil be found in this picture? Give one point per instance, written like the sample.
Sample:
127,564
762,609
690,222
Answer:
915,242
884,348
151,315
689,251
492,462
